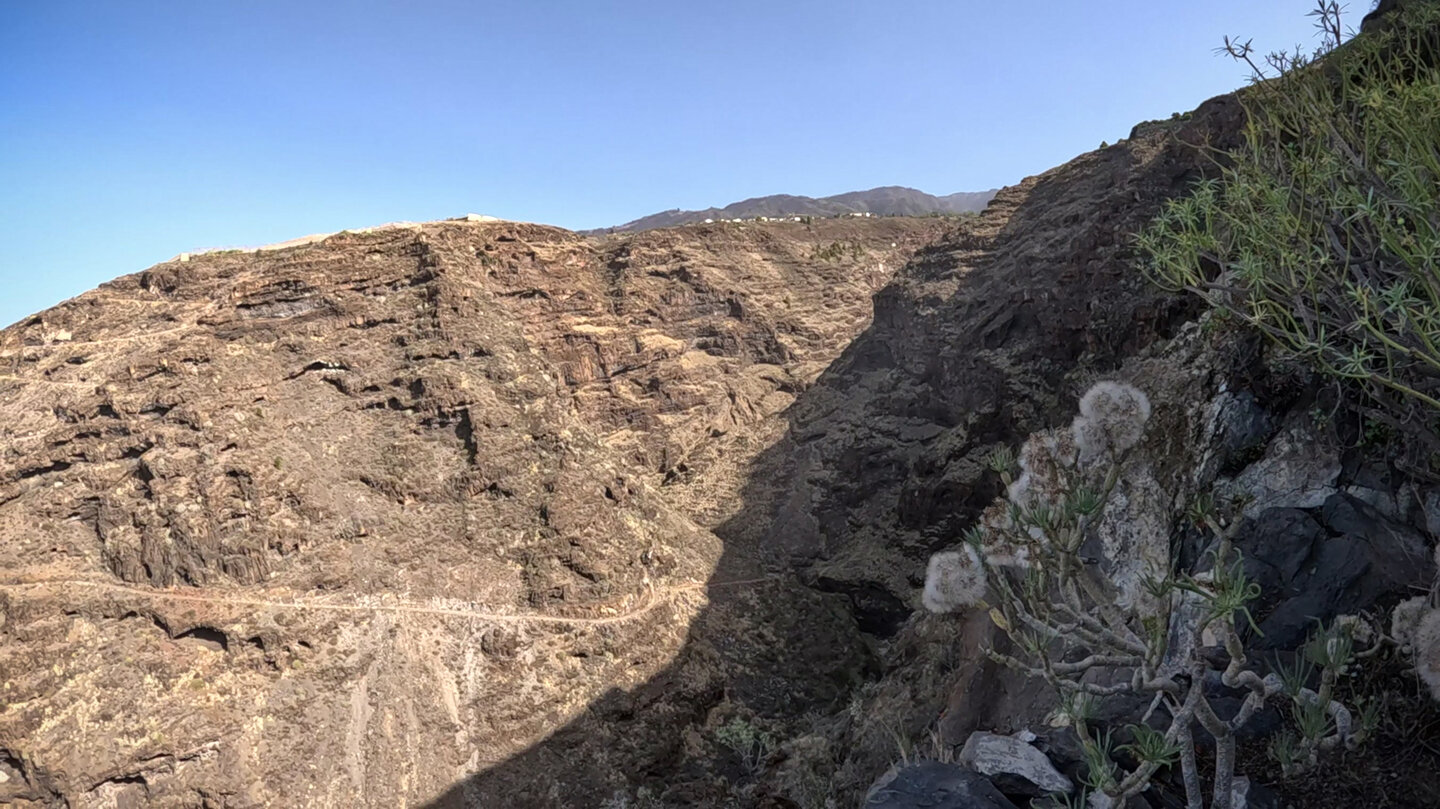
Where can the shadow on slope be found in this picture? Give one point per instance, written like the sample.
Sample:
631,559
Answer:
978,342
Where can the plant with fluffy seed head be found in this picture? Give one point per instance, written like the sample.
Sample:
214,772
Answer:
1415,629
1427,651
1064,616
1356,627
1405,619
955,579
1044,460
1111,421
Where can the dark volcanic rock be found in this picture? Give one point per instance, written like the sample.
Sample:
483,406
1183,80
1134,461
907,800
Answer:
1244,427
933,785
1313,566
974,345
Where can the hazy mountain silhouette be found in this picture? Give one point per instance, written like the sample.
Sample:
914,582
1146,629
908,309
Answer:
892,200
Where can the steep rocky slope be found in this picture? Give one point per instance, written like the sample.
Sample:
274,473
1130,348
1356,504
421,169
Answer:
981,339
488,514
984,337
975,343
993,334
343,523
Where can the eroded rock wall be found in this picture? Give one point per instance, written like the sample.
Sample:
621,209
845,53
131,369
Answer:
344,523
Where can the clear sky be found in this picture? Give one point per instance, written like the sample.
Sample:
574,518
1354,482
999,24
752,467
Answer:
132,131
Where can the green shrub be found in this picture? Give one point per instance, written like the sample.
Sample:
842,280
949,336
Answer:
750,743
837,251
1323,230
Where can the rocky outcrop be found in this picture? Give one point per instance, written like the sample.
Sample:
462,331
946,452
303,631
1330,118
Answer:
934,785
1314,561
344,523
1337,558
982,340
1026,769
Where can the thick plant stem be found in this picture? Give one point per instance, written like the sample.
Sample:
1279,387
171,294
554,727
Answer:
1194,798
1224,750
1224,772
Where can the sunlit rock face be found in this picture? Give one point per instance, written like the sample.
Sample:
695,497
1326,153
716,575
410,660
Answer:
347,521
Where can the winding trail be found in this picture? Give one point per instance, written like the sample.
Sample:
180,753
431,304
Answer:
27,381
656,597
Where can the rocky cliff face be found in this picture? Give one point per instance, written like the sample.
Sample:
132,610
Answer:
344,523
981,340
490,514
992,335
985,336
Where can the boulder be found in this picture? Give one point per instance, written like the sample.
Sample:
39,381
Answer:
1276,545
1016,767
1312,566
1298,470
1242,426
935,785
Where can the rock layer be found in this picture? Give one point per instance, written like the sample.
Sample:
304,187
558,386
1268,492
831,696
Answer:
344,523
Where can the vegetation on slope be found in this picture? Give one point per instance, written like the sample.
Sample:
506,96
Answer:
1323,230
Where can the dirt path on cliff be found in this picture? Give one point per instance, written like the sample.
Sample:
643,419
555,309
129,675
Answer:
655,598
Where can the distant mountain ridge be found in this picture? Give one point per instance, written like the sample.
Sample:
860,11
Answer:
892,200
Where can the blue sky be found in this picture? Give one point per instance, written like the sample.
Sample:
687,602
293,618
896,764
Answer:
132,131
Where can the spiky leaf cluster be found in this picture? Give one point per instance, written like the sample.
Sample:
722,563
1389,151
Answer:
1323,231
